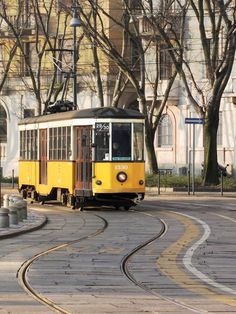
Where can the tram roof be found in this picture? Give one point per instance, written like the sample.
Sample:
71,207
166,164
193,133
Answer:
102,112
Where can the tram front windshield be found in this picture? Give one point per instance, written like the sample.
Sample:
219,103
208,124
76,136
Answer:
121,141
114,141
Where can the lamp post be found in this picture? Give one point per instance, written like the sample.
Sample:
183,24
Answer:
0,171
75,22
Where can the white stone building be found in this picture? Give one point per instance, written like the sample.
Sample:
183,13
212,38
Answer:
174,138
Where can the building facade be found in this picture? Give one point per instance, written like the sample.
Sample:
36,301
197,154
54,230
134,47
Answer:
41,64
176,143
174,140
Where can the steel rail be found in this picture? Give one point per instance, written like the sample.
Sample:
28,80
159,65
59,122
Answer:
125,268
24,269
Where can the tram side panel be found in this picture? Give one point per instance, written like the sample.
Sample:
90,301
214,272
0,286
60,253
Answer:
60,175
28,174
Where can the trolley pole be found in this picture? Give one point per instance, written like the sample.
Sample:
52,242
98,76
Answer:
193,164
222,183
159,182
0,172
193,121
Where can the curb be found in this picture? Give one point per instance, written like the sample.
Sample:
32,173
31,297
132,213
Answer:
28,226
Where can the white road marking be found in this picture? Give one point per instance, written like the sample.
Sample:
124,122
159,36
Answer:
226,217
187,260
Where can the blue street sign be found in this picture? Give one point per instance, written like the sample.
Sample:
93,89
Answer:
194,121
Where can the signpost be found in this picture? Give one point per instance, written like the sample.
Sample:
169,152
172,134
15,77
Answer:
193,121
0,172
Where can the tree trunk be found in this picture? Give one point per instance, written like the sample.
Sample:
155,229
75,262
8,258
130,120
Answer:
151,154
211,176
149,134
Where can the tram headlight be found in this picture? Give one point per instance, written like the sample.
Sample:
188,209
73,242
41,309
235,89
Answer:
99,182
121,177
141,182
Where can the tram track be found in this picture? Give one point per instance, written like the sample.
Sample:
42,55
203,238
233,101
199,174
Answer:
22,273
131,277
126,262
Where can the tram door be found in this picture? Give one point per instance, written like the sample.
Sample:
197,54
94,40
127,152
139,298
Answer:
43,156
83,162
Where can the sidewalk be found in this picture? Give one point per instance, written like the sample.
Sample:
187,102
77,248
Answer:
165,192
33,222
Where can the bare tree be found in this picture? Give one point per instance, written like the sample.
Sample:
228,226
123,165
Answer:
129,71
216,23
221,16
8,48
47,23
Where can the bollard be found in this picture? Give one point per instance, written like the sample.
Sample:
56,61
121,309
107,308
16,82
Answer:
16,198
222,183
159,183
10,200
4,218
18,207
6,200
23,205
13,216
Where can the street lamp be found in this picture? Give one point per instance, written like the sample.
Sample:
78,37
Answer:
1,171
75,22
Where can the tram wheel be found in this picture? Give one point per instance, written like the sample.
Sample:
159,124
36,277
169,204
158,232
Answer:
71,201
24,194
64,199
79,203
41,199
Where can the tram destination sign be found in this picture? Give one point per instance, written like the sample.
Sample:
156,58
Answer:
194,120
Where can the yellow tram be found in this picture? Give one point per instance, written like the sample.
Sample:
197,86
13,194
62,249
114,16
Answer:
86,157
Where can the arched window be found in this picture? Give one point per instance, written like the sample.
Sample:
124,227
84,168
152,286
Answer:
164,132
3,125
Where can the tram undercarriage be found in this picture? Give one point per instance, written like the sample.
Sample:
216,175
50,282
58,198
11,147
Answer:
84,198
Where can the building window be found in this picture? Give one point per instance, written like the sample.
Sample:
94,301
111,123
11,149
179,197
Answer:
3,125
164,132
165,63
168,6
219,131
27,57
29,113
135,60
135,6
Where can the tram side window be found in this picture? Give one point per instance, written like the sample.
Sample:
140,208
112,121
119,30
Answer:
121,141
138,141
102,141
60,143
28,145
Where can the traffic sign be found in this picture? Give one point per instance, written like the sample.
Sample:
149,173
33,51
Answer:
194,120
